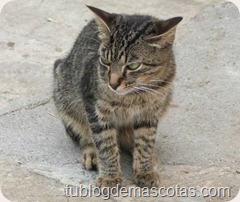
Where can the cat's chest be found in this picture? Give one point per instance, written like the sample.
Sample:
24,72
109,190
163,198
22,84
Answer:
124,113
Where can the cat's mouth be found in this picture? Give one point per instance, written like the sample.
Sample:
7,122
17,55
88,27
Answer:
123,93
121,90
132,88
137,90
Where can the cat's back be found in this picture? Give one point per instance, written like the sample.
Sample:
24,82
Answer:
84,49
72,75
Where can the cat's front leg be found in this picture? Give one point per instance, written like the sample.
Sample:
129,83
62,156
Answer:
144,142
104,135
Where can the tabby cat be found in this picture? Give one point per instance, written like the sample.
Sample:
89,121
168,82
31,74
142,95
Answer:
113,88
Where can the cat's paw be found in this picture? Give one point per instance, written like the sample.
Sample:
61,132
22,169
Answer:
109,181
89,158
147,179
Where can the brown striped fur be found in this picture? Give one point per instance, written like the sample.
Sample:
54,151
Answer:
104,104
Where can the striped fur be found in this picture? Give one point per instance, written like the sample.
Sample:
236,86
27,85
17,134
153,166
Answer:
103,119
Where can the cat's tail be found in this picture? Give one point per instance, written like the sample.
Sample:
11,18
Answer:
57,63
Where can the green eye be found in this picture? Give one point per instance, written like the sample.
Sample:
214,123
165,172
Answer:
104,61
134,66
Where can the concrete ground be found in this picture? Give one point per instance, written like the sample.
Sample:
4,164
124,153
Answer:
198,141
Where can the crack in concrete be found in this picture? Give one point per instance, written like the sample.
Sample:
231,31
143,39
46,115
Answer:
28,107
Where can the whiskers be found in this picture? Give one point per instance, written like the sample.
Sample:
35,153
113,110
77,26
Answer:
149,90
140,90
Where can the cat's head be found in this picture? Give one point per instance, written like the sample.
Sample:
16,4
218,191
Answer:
135,51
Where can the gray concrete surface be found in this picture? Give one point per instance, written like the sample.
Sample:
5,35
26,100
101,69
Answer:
198,142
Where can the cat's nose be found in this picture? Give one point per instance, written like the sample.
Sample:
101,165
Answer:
115,81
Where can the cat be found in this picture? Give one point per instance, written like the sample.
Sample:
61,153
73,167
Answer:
112,90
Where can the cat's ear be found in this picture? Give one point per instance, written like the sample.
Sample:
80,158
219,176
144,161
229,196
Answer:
104,19
165,30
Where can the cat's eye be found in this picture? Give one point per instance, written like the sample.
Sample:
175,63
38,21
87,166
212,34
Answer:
133,66
104,61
